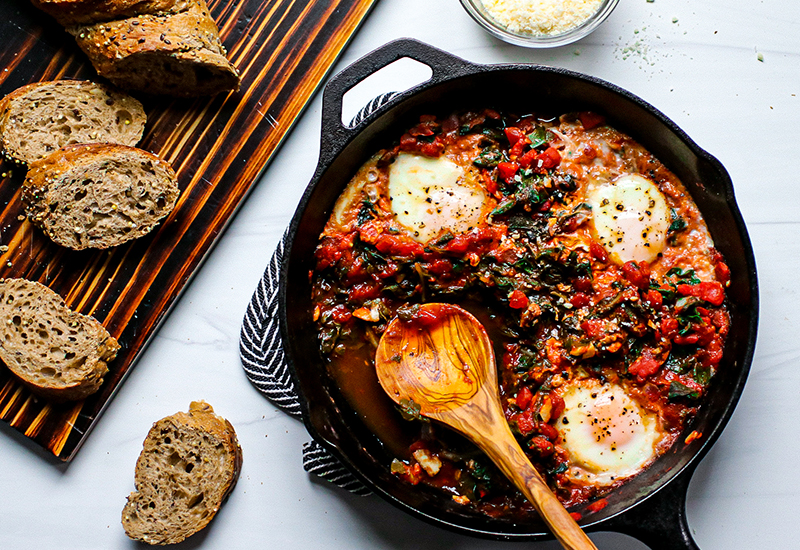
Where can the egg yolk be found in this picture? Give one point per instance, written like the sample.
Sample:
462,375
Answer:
607,434
630,218
433,195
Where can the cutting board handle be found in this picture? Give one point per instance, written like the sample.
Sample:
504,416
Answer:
443,65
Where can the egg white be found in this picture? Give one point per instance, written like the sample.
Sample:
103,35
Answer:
607,434
630,218
433,195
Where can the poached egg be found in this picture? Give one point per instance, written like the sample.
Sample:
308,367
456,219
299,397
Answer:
630,218
432,195
607,434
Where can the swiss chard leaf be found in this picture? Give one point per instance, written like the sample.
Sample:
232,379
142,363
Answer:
685,276
677,390
539,136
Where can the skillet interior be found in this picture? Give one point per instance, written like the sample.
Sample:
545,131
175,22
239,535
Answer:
518,89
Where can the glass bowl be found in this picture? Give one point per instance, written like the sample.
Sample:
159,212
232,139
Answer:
477,11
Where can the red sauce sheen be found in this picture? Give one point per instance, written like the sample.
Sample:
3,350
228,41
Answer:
560,306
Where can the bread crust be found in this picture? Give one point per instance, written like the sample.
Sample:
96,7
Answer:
88,371
49,173
84,12
97,101
157,528
177,54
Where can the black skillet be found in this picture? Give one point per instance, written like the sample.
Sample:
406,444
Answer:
651,507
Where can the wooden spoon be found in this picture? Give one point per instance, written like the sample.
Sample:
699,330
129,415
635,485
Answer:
443,361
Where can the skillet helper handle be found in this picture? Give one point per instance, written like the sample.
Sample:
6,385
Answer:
660,521
506,454
442,64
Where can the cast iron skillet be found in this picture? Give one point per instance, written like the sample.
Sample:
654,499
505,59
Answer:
652,506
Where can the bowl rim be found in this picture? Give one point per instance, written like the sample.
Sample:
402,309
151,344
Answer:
538,41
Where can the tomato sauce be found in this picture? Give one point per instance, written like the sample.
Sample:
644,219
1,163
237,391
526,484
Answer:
555,304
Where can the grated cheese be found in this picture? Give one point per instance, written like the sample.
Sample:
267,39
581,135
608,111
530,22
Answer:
541,17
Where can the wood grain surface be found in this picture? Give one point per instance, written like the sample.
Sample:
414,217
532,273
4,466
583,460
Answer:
217,146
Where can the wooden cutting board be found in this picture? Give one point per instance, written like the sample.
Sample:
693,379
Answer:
218,147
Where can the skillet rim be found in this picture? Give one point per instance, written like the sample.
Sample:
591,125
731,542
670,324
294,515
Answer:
335,140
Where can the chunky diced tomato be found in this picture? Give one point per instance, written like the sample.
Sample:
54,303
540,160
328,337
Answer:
584,284
330,250
669,327
525,422
722,271
477,241
341,314
557,406
597,505
526,159
397,246
654,298
591,119
546,430
579,300
518,300
362,292
524,397
721,320
490,183
507,170
440,267
711,292
638,274
426,318
598,252
431,149
686,339
594,328
514,135
645,365
548,159
541,446
407,141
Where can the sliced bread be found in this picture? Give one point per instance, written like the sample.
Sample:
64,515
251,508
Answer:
99,195
188,466
83,12
178,54
58,353
39,118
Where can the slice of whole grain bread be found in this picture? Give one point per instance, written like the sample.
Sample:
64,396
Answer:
58,353
178,54
99,195
83,12
188,466
39,118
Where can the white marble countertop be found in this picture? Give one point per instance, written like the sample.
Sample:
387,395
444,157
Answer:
698,62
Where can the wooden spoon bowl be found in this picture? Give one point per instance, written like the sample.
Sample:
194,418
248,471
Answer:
442,360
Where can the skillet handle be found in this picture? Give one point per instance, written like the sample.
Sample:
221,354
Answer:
660,521
443,65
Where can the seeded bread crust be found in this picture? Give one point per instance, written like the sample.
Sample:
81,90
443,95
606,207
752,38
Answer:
99,195
39,118
58,353
189,465
84,12
178,54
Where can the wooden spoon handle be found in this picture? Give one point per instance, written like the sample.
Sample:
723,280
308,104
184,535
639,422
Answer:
503,449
